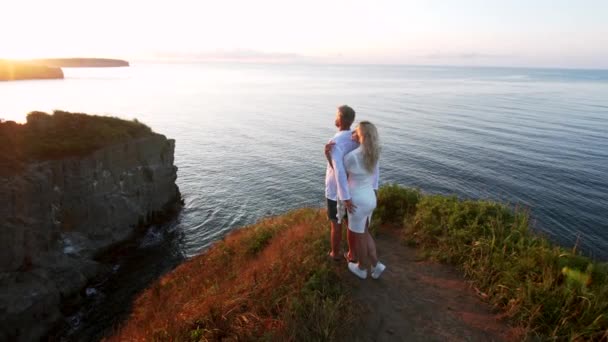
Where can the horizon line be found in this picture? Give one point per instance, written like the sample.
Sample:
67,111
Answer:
261,61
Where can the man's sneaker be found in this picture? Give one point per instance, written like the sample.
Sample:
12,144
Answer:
377,270
357,271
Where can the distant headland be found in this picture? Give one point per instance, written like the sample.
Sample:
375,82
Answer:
17,70
80,62
50,68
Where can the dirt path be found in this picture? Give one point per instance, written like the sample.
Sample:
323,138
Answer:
421,301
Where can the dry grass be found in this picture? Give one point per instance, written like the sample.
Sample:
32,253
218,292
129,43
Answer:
270,281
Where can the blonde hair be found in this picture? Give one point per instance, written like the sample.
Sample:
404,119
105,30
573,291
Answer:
370,144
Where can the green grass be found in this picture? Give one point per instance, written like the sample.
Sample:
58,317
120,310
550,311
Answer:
63,134
555,293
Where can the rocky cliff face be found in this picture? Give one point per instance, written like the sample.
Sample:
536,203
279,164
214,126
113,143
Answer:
57,215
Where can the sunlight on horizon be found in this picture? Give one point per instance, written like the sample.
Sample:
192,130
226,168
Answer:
517,33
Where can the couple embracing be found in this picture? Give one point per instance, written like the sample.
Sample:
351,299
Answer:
351,187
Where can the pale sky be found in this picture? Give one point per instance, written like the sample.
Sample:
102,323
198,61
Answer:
543,33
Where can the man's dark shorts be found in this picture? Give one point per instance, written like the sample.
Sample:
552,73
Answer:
332,210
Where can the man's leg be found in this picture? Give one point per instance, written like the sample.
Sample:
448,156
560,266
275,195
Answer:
335,236
336,239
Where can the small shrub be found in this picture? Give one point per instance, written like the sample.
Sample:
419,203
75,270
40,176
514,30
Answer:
259,239
395,203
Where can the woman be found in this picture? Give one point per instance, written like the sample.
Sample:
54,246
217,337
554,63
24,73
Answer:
362,168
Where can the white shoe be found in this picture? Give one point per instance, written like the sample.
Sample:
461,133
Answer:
354,268
377,270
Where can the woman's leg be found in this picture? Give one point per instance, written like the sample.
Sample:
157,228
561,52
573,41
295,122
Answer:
371,245
371,249
377,266
361,250
352,243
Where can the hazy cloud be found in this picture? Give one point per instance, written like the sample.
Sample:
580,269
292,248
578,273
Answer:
464,55
243,55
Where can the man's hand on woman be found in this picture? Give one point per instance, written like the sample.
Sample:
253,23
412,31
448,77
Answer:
348,204
328,148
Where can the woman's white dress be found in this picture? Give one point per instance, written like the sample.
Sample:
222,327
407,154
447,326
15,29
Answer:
361,184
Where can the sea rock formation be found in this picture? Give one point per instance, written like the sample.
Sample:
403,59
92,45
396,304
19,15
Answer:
56,215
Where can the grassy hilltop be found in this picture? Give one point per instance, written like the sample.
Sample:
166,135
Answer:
62,134
272,280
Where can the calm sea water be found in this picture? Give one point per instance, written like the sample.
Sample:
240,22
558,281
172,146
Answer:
250,137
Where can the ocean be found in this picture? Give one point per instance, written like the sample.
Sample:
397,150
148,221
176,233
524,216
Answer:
249,138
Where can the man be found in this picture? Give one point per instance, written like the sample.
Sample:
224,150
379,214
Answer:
336,186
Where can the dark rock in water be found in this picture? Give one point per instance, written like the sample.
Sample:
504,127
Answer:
57,215
14,70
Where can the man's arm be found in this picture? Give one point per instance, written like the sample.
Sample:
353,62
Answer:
337,157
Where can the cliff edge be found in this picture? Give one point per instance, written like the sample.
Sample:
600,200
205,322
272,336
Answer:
72,186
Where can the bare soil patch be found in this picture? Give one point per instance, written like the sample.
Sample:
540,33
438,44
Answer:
418,300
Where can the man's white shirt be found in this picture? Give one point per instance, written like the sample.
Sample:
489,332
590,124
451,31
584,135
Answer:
336,185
